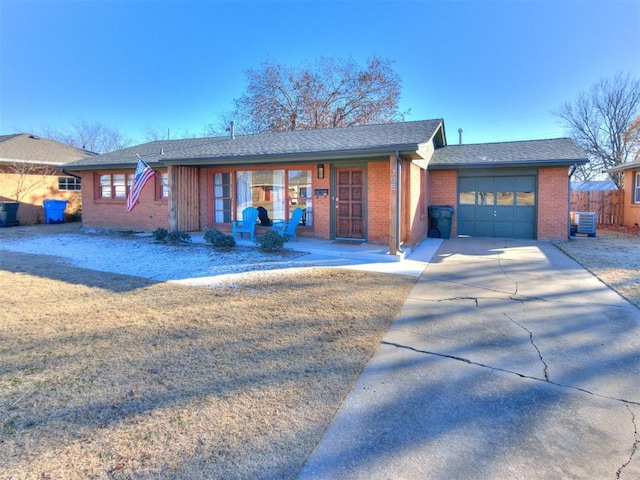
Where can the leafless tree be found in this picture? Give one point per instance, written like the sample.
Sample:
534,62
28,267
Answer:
599,121
28,177
632,138
97,137
152,134
330,93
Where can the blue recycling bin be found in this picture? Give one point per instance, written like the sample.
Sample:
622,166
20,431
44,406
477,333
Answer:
54,210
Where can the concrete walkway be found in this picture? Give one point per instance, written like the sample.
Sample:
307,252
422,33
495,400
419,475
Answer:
508,361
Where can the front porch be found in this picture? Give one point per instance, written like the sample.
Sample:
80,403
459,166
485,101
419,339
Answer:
353,254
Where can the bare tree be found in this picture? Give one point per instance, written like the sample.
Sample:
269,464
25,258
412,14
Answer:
28,177
97,137
632,138
152,134
599,121
330,93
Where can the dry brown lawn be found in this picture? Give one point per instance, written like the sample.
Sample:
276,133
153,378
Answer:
111,377
613,256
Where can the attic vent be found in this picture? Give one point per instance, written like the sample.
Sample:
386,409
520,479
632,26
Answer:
34,137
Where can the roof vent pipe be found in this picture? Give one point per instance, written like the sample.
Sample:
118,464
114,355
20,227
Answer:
460,131
232,130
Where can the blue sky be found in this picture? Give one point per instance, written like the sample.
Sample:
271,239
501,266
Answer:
497,69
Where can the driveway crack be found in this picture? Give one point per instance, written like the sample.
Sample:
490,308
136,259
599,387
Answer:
511,372
545,369
504,272
634,447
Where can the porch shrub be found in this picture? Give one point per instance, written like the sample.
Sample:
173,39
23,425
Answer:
160,234
219,240
178,238
271,242
174,238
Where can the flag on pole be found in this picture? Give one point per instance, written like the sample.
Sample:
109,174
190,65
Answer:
143,174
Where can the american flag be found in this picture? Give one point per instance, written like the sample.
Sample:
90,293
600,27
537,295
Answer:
143,174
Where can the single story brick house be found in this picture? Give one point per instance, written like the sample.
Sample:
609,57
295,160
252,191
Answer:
630,192
30,172
372,183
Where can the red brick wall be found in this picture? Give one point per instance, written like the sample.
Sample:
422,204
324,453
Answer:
553,203
379,179
417,219
149,215
443,190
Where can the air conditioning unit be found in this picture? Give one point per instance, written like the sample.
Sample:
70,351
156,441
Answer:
583,222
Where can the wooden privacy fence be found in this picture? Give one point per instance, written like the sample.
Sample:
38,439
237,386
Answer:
607,204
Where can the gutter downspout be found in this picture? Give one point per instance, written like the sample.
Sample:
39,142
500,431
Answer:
398,202
574,167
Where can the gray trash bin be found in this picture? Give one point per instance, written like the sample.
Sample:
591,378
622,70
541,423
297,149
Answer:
440,221
9,214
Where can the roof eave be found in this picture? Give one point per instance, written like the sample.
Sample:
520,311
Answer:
624,167
523,163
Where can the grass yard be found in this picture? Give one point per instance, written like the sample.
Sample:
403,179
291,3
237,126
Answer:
110,377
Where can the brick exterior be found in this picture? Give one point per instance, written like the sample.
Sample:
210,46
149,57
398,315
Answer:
630,210
416,218
553,203
37,188
443,190
378,201
420,189
148,215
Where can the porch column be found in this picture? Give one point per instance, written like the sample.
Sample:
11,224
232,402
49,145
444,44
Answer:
173,204
393,204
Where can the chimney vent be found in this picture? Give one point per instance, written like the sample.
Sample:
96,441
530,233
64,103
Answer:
460,131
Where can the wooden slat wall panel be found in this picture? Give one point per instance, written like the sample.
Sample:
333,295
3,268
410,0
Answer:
184,199
607,204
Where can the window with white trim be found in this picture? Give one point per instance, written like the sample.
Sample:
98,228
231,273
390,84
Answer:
636,189
69,183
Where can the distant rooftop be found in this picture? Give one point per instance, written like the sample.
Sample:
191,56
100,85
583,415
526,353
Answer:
25,147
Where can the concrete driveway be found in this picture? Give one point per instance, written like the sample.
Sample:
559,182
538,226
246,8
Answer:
508,361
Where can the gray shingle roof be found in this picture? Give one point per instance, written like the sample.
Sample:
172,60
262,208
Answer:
25,147
279,146
559,151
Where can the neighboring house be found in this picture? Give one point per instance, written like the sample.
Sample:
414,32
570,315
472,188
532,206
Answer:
372,183
593,186
30,172
631,192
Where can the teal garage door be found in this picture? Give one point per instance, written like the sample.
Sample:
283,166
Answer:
497,206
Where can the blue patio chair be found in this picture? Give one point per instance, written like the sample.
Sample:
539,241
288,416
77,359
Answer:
288,229
247,224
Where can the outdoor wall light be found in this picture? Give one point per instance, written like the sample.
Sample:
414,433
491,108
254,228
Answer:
321,170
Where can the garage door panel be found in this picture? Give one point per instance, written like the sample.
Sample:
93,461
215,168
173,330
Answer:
523,230
525,214
504,206
503,229
504,184
484,213
483,229
504,214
